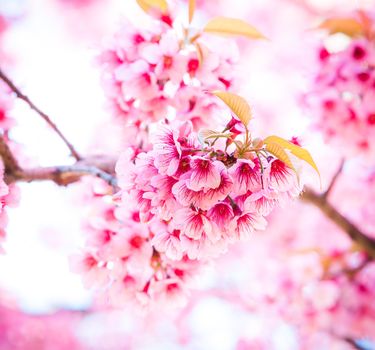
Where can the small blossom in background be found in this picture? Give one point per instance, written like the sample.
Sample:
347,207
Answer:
343,95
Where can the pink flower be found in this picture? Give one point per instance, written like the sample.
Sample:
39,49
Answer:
342,97
222,216
170,292
125,169
184,195
214,195
280,177
137,80
204,248
168,243
144,170
124,290
205,198
167,147
164,201
193,224
143,199
91,269
246,223
170,64
204,174
246,176
262,201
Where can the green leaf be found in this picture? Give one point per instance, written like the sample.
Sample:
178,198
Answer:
237,104
232,26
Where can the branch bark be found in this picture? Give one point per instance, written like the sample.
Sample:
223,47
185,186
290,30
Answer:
334,179
10,163
321,202
62,175
47,119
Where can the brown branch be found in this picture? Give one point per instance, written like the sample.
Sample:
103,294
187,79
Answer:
334,179
10,162
320,201
62,175
354,343
47,119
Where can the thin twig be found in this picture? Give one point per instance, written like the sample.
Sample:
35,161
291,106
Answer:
63,175
334,179
48,120
320,201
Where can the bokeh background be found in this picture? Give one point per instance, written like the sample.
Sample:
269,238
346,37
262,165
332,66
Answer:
51,46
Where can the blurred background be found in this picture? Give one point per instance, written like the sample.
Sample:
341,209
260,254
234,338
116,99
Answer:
50,47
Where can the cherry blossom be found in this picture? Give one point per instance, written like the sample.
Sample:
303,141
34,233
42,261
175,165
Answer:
152,75
343,96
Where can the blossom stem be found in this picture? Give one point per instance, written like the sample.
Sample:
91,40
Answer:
261,169
46,118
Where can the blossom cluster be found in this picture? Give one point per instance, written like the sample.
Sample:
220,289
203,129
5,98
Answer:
343,96
120,262
204,197
181,204
149,75
185,197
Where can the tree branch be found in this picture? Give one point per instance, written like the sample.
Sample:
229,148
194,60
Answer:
47,119
61,175
334,179
10,163
320,201
354,343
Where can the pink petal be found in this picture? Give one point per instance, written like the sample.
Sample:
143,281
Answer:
246,176
205,173
191,223
247,223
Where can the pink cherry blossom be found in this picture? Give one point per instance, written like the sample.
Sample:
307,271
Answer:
342,96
